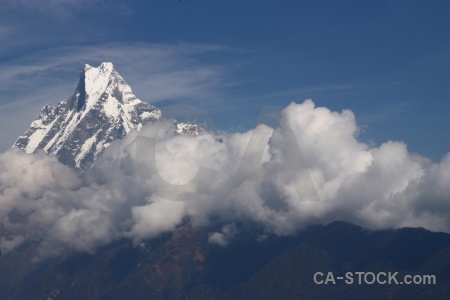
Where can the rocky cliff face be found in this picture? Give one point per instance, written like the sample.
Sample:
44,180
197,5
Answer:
102,109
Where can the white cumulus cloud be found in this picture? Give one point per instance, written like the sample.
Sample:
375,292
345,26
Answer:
311,169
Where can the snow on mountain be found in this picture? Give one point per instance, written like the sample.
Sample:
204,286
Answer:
186,129
102,109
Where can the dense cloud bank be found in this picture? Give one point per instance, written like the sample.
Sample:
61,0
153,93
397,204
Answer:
310,169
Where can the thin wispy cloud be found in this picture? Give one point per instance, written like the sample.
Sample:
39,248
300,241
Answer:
174,68
8,37
387,111
63,9
301,91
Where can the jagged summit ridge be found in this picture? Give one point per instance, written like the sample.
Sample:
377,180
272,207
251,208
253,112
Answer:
102,109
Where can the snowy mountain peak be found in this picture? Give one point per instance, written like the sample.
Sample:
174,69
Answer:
101,110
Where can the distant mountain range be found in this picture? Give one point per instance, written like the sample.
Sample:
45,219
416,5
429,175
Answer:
102,109
183,265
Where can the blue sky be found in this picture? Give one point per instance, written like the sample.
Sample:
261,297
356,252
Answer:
387,61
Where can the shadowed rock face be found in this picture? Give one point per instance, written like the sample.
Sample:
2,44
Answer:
102,109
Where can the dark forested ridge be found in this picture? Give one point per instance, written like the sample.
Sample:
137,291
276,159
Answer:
183,265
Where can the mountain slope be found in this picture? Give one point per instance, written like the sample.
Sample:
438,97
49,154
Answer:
342,247
183,265
102,109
